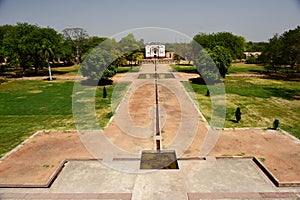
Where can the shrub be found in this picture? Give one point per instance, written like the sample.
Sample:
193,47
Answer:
238,114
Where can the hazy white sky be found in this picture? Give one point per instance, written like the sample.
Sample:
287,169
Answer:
256,20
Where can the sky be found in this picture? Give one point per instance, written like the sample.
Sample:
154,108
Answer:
256,20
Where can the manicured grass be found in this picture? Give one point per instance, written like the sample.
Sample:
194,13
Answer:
73,70
128,69
245,68
234,68
260,100
184,68
66,71
27,106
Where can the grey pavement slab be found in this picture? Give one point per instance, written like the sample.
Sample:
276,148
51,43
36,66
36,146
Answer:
224,176
193,176
92,177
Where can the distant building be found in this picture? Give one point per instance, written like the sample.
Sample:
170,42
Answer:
251,54
170,54
155,51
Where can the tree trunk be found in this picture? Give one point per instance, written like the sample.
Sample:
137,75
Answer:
293,65
36,66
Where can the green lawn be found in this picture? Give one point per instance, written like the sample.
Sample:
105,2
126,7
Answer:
184,68
27,106
128,69
65,71
234,68
73,70
260,100
245,68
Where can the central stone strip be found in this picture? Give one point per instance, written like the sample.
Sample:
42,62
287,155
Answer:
157,125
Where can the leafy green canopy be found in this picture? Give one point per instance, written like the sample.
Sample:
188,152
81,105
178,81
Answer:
222,48
30,45
235,44
283,49
102,61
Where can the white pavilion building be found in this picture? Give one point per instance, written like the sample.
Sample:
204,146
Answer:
155,51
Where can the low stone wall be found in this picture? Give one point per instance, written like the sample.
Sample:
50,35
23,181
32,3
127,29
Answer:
159,61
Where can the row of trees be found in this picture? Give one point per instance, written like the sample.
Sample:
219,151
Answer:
29,46
32,47
282,50
212,54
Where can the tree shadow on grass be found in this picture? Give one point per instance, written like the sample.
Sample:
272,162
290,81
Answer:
48,79
233,121
100,82
201,81
287,94
272,128
285,76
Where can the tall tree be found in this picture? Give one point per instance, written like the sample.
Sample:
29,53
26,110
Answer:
18,44
3,30
128,44
273,52
47,48
78,38
222,58
283,50
206,67
222,48
291,47
185,50
130,48
100,63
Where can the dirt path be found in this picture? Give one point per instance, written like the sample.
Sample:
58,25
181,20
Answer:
39,157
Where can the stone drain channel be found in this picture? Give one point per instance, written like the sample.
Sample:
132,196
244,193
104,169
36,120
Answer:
158,158
157,136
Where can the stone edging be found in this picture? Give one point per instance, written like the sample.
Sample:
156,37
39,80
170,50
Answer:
122,196
243,195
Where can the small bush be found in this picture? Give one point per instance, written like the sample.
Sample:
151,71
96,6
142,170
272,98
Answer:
238,114
104,92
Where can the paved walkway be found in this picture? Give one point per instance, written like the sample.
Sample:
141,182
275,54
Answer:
117,177
183,137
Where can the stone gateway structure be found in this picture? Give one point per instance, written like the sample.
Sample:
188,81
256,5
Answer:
155,51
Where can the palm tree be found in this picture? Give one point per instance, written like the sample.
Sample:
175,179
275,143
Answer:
47,53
